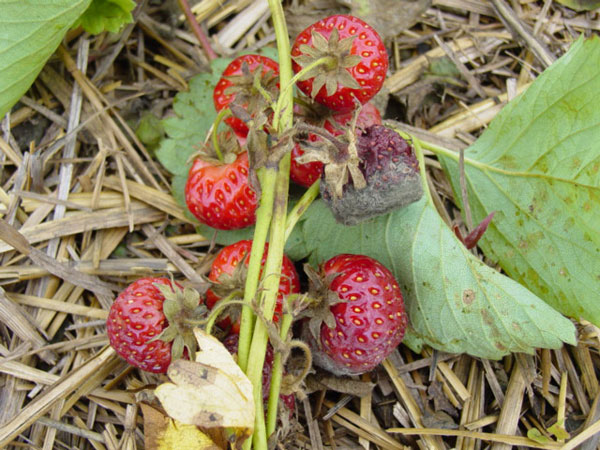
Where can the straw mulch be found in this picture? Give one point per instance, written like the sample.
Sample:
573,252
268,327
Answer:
86,209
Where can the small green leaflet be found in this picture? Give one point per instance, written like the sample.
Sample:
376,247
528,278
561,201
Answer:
194,115
538,167
106,15
455,302
28,36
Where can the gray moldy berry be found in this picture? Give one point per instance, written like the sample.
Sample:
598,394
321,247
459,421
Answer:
391,171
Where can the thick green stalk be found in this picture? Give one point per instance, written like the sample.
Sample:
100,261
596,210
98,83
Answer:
268,297
264,213
272,270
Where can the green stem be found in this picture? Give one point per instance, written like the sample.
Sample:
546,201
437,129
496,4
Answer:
437,149
214,136
268,297
276,376
300,208
272,269
264,214
216,311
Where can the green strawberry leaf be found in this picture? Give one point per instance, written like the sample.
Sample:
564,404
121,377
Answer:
538,167
106,15
187,129
27,40
454,301
581,5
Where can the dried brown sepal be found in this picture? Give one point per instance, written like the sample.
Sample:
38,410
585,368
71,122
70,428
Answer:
254,89
338,154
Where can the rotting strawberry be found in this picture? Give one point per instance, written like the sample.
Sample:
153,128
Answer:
237,85
390,176
231,344
360,319
228,275
305,174
148,323
356,61
218,193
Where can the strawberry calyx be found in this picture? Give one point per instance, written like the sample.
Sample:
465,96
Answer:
338,154
320,299
183,312
328,59
255,89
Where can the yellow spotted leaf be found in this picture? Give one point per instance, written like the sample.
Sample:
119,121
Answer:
211,392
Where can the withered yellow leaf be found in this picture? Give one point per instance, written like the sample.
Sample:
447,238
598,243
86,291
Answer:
209,392
180,436
163,433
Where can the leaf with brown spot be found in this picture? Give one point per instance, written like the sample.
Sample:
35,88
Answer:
538,166
211,392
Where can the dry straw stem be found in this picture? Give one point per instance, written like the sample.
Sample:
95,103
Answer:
69,386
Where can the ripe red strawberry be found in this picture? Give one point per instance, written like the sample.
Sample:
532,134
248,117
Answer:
147,335
229,275
236,84
306,174
357,65
367,320
231,343
219,194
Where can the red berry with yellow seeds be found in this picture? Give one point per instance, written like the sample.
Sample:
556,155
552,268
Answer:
228,274
219,194
147,326
367,320
355,66
237,85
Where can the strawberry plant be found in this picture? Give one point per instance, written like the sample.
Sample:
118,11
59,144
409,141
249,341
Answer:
454,302
531,180
237,85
